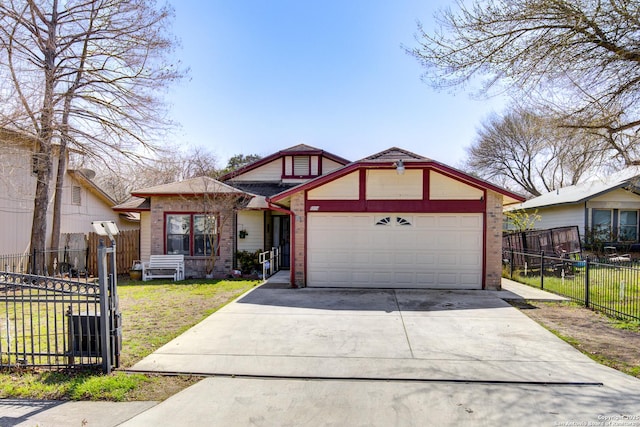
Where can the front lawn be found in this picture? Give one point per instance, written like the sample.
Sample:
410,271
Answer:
153,313
614,290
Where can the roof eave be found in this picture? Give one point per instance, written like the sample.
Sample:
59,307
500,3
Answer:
279,154
390,165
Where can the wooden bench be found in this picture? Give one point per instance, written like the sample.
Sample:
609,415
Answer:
163,266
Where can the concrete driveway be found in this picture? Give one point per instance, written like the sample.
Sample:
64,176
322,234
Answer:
281,356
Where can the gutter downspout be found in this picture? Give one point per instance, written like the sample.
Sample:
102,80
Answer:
292,240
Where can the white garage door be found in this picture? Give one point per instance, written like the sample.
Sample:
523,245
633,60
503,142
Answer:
442,251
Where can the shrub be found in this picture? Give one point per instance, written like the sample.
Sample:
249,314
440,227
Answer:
249,262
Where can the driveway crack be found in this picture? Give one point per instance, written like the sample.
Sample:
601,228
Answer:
404,327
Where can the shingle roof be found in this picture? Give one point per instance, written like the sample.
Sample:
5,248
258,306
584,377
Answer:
134,204
394,153
262,188
193,186
586,190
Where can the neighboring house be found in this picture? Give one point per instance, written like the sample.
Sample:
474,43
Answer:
83,201
605,210
394,219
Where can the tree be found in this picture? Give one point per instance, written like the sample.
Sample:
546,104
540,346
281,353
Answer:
239,160
522,220
166,166
528,151
579,58
84,74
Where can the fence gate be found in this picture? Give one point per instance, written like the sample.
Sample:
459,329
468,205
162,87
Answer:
60,320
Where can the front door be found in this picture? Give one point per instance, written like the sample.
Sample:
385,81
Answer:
281,238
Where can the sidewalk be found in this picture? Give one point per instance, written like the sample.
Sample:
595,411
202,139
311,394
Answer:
55,413
517,291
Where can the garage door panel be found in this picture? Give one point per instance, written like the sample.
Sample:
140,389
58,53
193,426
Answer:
381,258
361,277
361,258
470,259
448,278
427,259
441,251
381,277
467,279
406,278
448,259
472,222
426,278
448,221
425,221
405,260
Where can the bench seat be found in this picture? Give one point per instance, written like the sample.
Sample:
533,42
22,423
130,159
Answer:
163,266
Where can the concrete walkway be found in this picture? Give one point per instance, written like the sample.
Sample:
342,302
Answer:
514,291
307,357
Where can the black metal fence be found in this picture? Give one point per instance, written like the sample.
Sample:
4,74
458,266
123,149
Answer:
54,319
48,321
611,288
53,263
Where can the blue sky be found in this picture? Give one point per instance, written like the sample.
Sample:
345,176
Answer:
267,75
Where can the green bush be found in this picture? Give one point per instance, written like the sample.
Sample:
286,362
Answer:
249,262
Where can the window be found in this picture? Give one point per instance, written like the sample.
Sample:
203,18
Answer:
76,193
402,221
178,234
601,220
190,234
628,226
384,221
204,227
301,166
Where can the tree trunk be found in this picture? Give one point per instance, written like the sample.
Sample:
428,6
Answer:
41,199
45,137
57,200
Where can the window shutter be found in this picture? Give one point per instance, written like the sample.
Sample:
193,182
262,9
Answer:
301,165
76,193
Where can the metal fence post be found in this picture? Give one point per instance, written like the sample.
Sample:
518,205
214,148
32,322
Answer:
34,263
511,265
586,282
542,270
104,308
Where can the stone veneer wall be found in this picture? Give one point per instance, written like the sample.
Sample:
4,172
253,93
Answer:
298,207
194,266
494,241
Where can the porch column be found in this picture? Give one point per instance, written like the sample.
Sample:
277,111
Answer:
298,241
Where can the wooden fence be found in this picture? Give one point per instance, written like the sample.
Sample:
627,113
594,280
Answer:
128,250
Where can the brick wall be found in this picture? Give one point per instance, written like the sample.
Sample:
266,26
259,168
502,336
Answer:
494,241
298,207
194,266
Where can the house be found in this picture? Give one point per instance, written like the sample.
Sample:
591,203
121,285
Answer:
195,218
83,201
606,210
245,222
393,219
396,219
